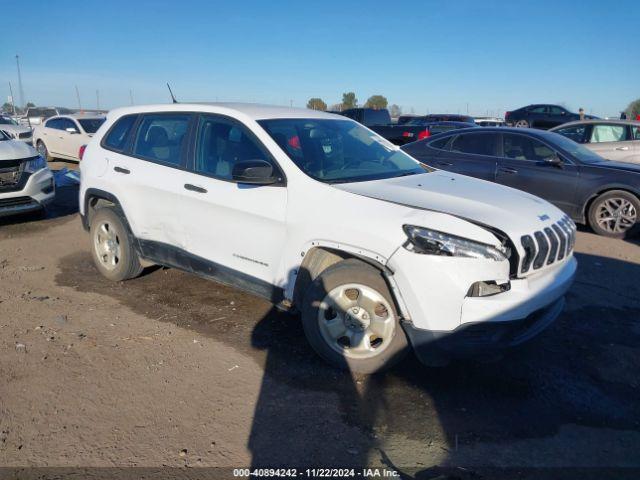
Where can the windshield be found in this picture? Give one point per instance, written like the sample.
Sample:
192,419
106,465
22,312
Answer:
339,151
91,125
582,153
7,121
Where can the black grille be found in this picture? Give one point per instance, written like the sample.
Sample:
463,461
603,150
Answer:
25,135
550,245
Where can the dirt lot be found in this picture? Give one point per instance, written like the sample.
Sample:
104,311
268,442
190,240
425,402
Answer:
173,370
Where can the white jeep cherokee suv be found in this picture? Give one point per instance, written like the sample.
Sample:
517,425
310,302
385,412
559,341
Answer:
319,214
26,183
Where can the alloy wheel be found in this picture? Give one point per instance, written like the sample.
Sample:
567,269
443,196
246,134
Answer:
616,215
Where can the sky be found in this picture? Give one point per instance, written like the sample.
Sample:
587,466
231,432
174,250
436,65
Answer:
484,57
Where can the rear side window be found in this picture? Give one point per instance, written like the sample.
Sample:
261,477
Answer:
635,133
160,138
221,144
476,143
520,147
117,137
441,144
538,109
54,123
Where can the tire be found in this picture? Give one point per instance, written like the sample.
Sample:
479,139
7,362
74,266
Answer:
112,246
362,333
522,124
615,214
42,150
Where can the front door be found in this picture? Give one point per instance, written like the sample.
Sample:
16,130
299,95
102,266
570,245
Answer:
237,229
70,142
524,165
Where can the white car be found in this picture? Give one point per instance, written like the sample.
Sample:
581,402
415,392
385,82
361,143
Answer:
26,183
65,136
321,215
14,130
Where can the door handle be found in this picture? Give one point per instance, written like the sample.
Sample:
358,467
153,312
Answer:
622,148
507,170
122,170
195,188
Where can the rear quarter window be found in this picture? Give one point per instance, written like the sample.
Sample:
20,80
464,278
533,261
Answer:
116,138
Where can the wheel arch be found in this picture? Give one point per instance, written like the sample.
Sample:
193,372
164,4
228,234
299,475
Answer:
601,191
319,257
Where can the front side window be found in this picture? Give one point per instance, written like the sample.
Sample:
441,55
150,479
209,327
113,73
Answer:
520,147
161,137
556,110
117,137
576,133
339,151
476,143
608,133
221,144
91,125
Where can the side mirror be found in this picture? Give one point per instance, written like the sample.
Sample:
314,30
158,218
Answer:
256,172
71,130
554,160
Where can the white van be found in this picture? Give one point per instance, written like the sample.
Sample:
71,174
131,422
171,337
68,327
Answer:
320,215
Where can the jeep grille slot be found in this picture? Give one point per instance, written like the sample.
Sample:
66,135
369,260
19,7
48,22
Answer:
549,245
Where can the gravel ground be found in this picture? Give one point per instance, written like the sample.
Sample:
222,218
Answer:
173,370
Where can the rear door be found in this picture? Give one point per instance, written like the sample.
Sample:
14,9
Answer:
149,179
523,165
50,135
238,228
472,154
70,142
611,141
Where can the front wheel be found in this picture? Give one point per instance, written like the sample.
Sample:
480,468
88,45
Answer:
615,214
350,319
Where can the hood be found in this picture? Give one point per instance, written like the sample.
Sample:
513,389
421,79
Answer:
16,150
14,128
512,211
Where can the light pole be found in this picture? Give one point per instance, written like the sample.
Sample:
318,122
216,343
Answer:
20,90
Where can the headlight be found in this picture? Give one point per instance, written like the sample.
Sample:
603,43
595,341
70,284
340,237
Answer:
35,164
432,242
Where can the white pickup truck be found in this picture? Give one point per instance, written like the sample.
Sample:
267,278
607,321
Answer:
319,214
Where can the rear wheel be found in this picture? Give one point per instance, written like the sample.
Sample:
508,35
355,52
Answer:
615,214
42,150
113,252
522,124
350,319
